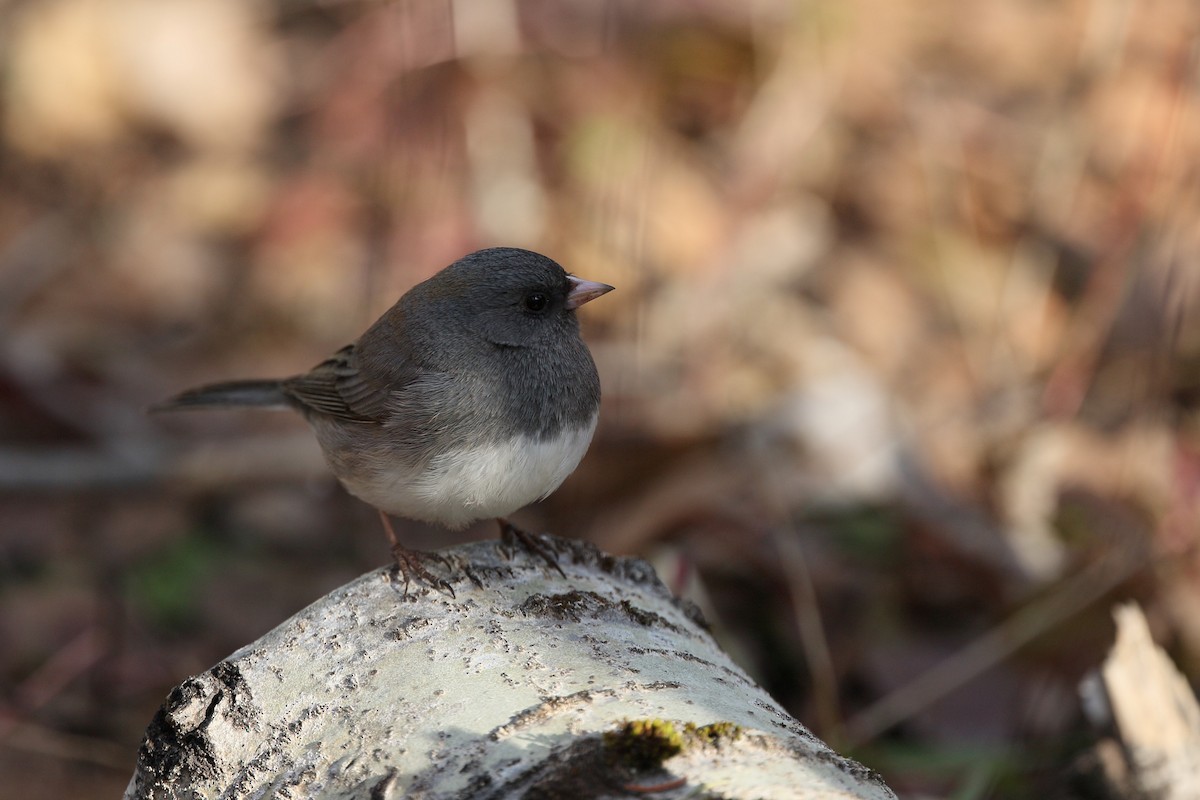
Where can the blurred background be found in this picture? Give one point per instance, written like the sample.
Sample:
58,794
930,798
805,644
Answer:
899,377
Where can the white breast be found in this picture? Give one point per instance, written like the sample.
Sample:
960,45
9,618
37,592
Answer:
480,482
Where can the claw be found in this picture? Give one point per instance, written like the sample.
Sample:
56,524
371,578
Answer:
410,563
511,536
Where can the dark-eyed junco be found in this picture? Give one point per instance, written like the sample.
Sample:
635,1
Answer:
472,396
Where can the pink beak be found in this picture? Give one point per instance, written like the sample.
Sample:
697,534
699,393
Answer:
584,291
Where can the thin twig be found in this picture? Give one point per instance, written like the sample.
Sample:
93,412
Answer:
811,630
29,737
1076,593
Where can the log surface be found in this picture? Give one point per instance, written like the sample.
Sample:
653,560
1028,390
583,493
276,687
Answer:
504,690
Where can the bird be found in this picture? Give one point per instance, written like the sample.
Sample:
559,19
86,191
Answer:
470,398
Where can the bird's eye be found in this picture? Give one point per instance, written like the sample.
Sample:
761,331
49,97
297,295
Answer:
536,302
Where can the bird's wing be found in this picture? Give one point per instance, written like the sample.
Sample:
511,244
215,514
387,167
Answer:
336,388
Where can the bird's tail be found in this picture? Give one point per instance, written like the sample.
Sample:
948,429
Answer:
263,394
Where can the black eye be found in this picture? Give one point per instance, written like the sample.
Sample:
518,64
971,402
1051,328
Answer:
536,302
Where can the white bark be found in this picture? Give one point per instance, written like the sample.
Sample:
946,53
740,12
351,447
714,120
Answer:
503,691
1147,704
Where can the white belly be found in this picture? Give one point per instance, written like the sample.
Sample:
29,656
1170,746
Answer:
480,482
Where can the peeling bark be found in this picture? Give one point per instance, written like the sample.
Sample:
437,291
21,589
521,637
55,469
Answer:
507,689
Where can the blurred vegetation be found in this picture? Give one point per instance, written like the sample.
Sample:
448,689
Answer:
899,378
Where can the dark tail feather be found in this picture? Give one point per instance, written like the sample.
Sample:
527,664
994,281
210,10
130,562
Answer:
263,394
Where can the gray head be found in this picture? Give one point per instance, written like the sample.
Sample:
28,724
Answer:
505,296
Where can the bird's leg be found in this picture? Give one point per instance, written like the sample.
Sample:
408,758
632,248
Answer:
412,562
511,536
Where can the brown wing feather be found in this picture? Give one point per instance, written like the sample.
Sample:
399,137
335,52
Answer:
336,388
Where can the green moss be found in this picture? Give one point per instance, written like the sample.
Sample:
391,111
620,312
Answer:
643,743
714,732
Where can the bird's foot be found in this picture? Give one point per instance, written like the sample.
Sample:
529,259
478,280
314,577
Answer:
411,565
512,536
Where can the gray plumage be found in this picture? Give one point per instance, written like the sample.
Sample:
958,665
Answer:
473,393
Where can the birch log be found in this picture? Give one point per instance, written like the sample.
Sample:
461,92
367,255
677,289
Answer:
524,683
